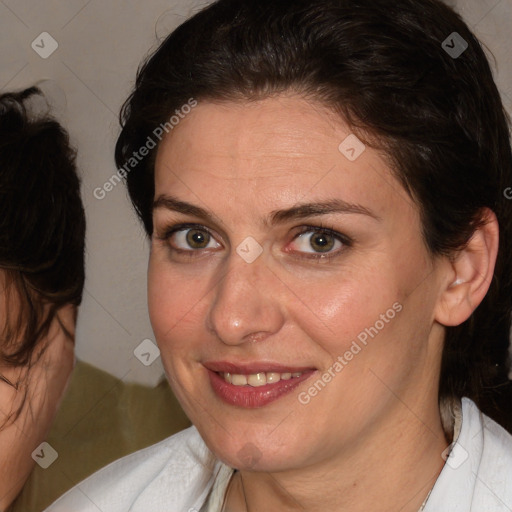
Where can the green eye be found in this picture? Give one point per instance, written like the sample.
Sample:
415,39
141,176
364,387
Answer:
312,241
320,242
187,238
196,238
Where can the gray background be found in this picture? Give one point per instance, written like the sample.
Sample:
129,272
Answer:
100,44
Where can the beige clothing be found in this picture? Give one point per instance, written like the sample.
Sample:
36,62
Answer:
101,418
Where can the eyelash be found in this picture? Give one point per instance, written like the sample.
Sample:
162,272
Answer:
322,230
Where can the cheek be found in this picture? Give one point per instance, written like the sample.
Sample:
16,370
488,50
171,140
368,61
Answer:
176,310
339,310
379,302
329,311
175,303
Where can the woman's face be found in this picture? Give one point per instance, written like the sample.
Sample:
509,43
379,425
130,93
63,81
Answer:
45,384
245,282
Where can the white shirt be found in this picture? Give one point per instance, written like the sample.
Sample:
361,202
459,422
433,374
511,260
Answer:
179,473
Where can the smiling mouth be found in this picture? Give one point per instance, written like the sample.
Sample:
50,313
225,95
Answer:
257,379
254,385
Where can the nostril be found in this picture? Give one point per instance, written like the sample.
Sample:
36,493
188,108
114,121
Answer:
252,338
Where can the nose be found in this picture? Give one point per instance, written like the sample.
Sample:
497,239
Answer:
246,303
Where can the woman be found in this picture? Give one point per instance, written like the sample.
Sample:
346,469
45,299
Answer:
42,230
330,270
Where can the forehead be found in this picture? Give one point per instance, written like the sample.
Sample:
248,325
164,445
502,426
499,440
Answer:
280,128
278,150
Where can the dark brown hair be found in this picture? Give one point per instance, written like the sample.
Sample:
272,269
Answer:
383,66
42,227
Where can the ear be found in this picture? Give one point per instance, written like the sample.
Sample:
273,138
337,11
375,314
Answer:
469,273
66,317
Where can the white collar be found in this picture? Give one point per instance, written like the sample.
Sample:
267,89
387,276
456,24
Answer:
453,489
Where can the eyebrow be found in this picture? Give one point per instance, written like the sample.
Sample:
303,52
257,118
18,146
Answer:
296,212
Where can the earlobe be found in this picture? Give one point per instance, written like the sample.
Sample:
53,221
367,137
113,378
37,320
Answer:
473,268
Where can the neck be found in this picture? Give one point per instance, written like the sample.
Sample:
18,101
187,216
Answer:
394,465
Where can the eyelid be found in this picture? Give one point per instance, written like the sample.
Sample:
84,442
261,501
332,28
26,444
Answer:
329,231
170,230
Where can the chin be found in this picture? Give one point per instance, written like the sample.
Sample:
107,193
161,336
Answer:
254,450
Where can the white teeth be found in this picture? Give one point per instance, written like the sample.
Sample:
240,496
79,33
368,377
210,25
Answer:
258,379
238,380
273,377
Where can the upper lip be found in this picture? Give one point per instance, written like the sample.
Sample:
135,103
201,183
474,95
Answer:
254,367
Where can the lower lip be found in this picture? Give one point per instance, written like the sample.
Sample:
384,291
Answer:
250,397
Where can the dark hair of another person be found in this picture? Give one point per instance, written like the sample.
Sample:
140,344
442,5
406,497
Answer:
380,64
42,226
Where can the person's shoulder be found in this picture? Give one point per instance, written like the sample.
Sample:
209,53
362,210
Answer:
160,475
477,474
494,475
497,442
